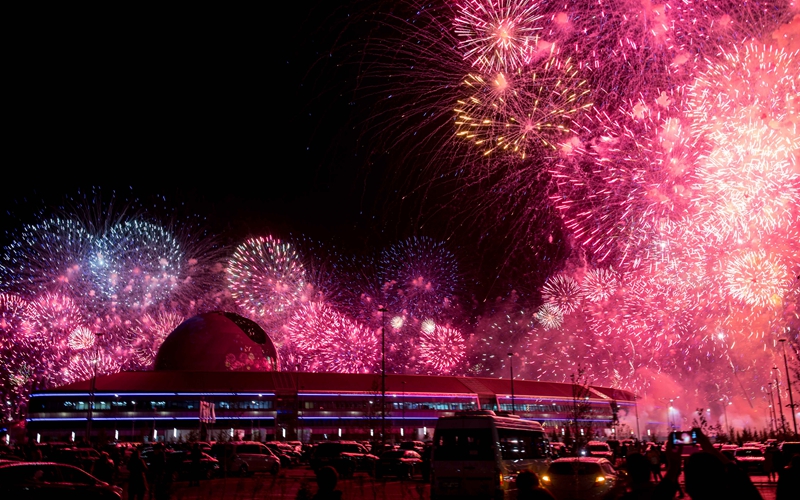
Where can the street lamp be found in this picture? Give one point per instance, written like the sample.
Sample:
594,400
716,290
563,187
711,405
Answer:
511,367
789,384
780,404
773,416
91,390
382,310
725,411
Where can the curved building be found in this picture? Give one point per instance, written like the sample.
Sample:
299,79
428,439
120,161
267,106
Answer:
224,360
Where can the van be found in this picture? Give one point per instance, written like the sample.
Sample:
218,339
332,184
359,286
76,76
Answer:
478,454
245,457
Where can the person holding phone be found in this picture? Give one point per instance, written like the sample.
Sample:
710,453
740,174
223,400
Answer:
708,474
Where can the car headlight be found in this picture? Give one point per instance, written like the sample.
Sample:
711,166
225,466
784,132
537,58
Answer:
600,479
545,479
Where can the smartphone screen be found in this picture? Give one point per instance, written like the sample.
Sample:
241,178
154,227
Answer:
684,437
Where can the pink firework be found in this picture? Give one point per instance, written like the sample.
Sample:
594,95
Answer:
442,350
632,173
757,278
50,318
353,348
753,86
81,338
599,284
746,196
148,333
265,276
549,316
563,292
11,314
84,366
498,35
311,326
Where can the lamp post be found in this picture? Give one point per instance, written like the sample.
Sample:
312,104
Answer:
772,415
780,404
382,310
725,411
788,384
511,367
92,387
403,420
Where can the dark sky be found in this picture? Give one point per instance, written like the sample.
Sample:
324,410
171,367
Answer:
211,111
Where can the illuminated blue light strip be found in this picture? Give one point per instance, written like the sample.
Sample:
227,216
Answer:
73,419
126,394
393,394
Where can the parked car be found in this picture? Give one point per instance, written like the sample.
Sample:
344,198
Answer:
750,458
83,458
346,457
245,457
285,452
400,463
583,478
790,448
180,464
412,445
39,480
599,449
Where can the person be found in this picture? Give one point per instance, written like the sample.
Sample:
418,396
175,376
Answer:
769,463
639,469
160,478
654,456
327,477
104,468
137,485
708,474
195,472
529,488
789,480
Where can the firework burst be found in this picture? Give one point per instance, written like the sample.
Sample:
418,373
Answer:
442,350
265,276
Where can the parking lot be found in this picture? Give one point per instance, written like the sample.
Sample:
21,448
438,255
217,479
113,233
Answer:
361,486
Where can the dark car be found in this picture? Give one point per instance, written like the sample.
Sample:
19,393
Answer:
401,463
285,452
45,480
346,457
180,464
83,458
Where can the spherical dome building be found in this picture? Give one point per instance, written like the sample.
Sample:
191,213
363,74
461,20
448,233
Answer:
218,341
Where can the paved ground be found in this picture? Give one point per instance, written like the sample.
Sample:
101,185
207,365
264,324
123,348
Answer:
361,487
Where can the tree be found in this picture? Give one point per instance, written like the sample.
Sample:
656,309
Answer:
581,425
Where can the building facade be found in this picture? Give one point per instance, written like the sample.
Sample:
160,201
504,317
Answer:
165,405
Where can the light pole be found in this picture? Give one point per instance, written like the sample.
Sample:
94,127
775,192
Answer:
788,384
511,367
403,420
97,336
773,416
725,411
780,404
382,310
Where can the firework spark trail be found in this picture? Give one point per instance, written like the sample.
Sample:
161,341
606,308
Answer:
420,277
138,263
498,36
442,350
265,276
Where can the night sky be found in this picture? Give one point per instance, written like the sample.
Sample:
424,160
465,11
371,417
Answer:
257,130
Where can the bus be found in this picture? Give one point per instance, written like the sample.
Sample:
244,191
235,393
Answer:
478,454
